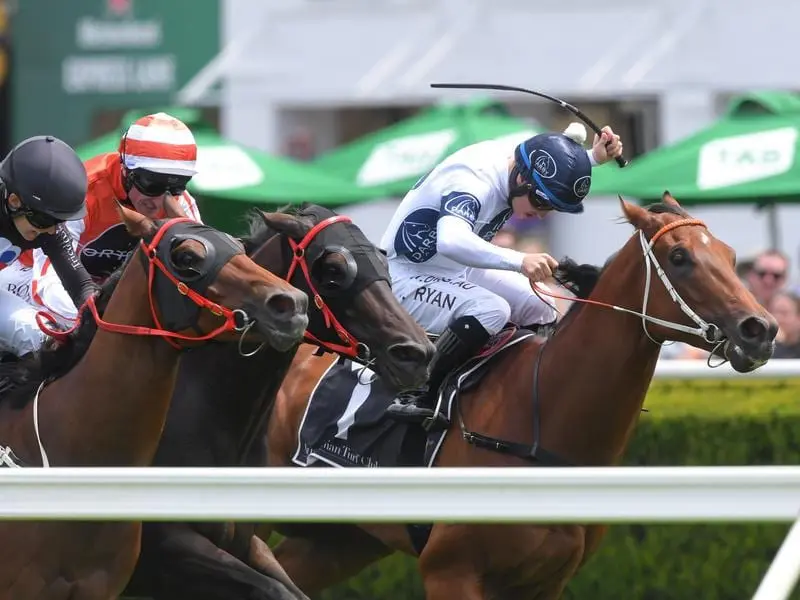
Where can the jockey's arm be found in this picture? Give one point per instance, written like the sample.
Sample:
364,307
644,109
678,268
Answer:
189,206
48,289
456,241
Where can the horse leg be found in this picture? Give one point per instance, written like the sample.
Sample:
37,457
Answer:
316,564
449,584
188,565
264,561
449,567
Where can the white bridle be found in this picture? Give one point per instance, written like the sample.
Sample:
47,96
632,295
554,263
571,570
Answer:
709,332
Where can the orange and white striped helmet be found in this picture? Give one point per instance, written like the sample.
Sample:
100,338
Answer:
159,143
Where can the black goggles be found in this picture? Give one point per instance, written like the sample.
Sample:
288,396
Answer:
537,202
157,184
38,219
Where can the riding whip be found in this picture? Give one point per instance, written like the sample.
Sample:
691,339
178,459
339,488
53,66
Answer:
621,161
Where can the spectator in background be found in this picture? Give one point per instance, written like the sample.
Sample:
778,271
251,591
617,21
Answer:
785,307
744,268
768,275
300,145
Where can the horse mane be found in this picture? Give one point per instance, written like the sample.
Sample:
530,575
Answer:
660,208
21,378
582,279
259,231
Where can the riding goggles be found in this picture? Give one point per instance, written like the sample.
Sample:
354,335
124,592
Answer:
37,219
537,202
158,184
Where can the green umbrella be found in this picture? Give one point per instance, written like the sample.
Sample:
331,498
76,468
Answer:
750,155
388,162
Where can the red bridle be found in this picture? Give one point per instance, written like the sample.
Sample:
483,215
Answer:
351,345
349,348
150,252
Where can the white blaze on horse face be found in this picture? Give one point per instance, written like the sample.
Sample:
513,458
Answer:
705,239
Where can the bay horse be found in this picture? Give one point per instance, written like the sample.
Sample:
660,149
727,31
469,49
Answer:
222,399
100,397
570,399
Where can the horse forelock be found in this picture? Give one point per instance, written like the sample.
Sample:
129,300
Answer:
259,231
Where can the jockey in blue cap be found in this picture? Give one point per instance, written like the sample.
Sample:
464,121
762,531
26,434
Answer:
444,268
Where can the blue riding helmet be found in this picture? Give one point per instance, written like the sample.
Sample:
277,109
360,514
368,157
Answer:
556,171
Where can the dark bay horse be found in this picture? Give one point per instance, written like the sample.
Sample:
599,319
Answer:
106,389
572,399
222,400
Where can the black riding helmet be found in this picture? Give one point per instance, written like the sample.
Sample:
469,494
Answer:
48,177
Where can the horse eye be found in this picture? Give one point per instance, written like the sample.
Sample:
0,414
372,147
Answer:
679,257
185,259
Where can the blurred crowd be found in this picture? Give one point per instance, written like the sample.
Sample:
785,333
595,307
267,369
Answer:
766,275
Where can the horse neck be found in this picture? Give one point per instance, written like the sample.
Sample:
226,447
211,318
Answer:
222,400
596,370
119,392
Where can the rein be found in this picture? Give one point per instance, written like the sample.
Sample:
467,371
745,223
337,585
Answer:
235,320
351,347
707,331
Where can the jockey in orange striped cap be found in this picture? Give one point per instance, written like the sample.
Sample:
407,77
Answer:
157,156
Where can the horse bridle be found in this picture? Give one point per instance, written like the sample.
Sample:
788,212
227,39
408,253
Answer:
709,332
351,347
234,320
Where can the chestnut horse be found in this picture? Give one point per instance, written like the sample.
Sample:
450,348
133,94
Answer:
572,399
222,400
101,397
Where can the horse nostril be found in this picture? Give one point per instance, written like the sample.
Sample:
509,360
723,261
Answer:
410,352
283,305
753,329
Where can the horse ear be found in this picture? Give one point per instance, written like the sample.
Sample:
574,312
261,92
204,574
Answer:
136,223
295,227
669,199
635,214
173,208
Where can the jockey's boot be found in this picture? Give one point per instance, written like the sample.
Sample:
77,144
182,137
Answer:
458,343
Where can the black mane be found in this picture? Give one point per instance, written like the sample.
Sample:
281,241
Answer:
660,208
21,378
582,279
259,231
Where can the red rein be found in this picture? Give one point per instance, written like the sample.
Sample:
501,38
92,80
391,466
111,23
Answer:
42,317
351,344
349,349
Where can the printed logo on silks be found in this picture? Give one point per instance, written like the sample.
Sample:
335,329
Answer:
543,164
416,236
581,187
462,205
104,254
8,253
489,230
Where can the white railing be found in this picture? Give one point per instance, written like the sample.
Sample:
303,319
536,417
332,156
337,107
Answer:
698,369
579,494
607,495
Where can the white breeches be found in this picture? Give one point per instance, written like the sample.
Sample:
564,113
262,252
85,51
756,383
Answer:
494,297
19,333
16,278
